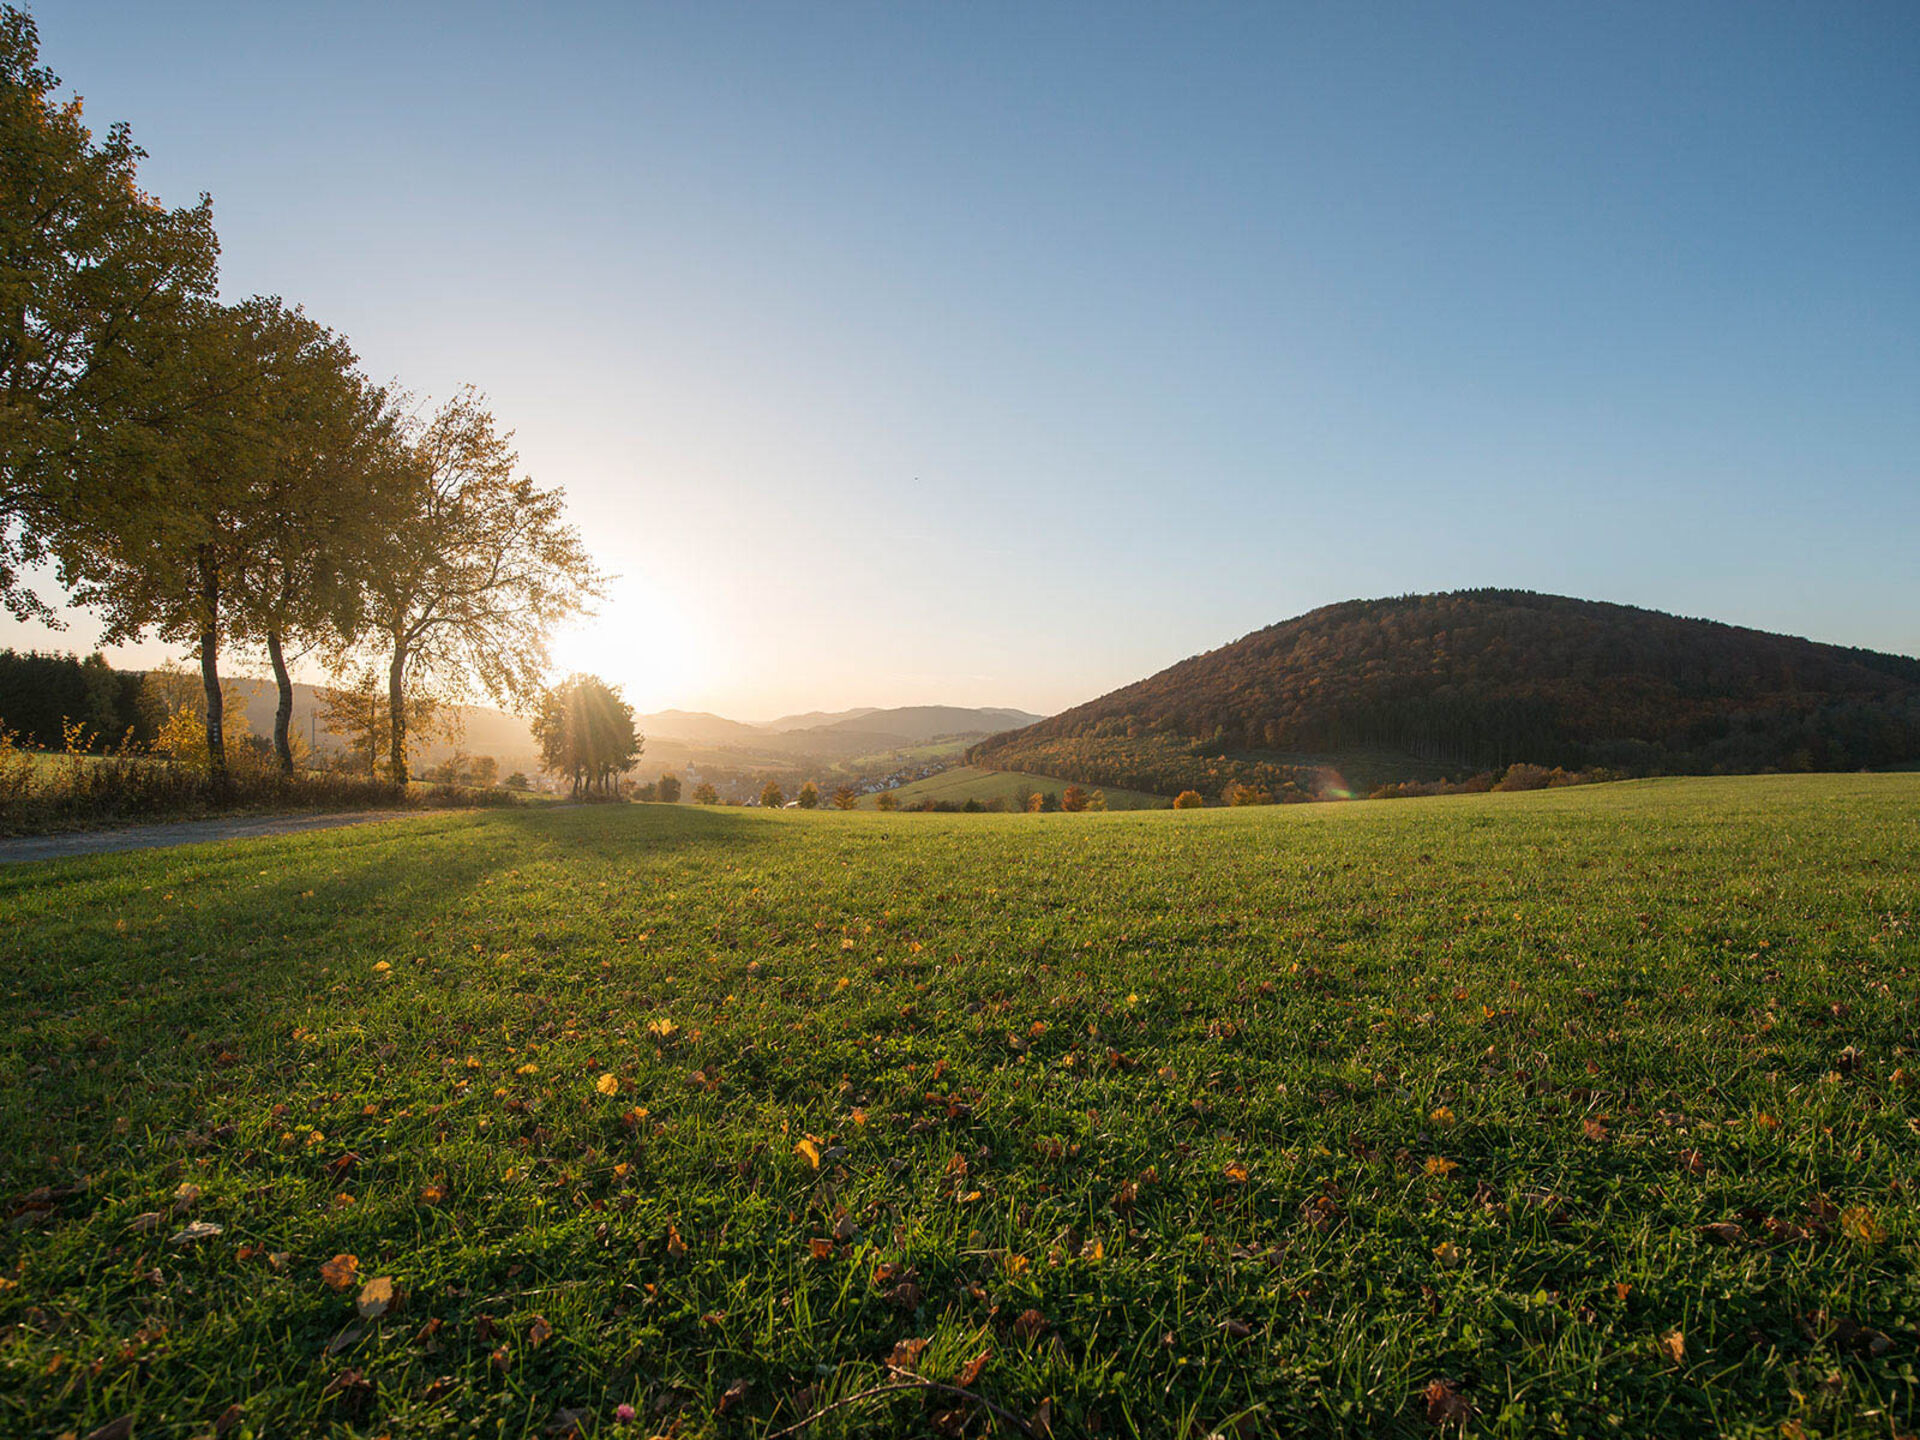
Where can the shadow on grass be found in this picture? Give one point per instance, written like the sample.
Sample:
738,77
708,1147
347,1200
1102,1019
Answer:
167,972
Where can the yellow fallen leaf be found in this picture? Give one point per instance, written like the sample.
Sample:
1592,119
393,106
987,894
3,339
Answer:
608,1084
375,1296
1857,1224
1439,1168
1442,1117
1447,1253
1236,1172
808,1150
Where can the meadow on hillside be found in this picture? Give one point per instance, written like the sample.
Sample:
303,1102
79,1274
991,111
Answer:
1581,1111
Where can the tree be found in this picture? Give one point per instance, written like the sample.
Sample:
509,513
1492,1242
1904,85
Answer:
480,568
809,796
1073,799
517,781
1097,801
771,797
585,731
1188,800
88,263
669,787
356,714
316,518
886,800
845,798
155,537
705,794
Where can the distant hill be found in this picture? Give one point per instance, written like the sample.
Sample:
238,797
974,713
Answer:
697,727
812,719
1480,679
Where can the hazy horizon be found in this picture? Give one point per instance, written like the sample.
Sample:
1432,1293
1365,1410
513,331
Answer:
1002,357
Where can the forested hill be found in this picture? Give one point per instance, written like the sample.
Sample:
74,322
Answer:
1481,679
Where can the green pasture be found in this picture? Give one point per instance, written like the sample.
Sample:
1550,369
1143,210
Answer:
1587,1111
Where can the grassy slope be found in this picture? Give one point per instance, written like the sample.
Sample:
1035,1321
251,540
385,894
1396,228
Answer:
965,782
1102,1016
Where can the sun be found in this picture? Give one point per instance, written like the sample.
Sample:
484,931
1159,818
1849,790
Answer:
640,639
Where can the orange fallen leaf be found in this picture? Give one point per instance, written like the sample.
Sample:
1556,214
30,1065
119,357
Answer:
1236,1172
906,1354
339,1272
539,1332
676,1247
820,1249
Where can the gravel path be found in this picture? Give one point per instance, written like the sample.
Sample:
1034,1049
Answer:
186,832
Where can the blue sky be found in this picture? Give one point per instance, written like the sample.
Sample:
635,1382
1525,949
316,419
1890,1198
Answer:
1004,354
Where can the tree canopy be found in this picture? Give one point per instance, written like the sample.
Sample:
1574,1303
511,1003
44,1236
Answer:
585,732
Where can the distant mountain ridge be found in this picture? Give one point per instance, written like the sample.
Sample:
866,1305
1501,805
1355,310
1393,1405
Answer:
1481,679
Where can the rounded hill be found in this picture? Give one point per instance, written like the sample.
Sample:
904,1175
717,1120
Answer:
1481,679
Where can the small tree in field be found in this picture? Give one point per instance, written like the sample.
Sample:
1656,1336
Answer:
1074,800
705,794
809,796
670,788
772,797
845,798
886,800
1097,801
1188,800
585,731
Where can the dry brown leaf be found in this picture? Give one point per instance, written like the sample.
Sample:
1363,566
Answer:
1445,1405
1673,1345
1029,1324
906,1354
539,1332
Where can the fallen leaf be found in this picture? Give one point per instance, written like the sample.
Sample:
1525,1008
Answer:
843,1228
820,1249
375,1296
970,1372
906,1354
809,1150
1857,1224
120,1428
1447,1253
1673,1345
676,1247
144,1224
1030,1324
1722,1232
539,1332
1236,1172
339,1272
1438,1168
1593,1129
736,1392
608,1084
1442,1117
197,1230
1445,1405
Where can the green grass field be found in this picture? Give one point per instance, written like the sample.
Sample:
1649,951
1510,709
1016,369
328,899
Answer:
1584,1111
964,782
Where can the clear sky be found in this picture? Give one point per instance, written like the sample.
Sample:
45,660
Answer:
1002,354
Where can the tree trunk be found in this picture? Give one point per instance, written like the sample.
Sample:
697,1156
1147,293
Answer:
397,717
210,668
283,712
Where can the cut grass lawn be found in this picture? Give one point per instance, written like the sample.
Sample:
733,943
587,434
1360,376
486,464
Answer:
1584,1111
964,782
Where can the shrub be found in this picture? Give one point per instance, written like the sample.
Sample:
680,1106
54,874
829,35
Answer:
772,797
886,800
705,794
1188,800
